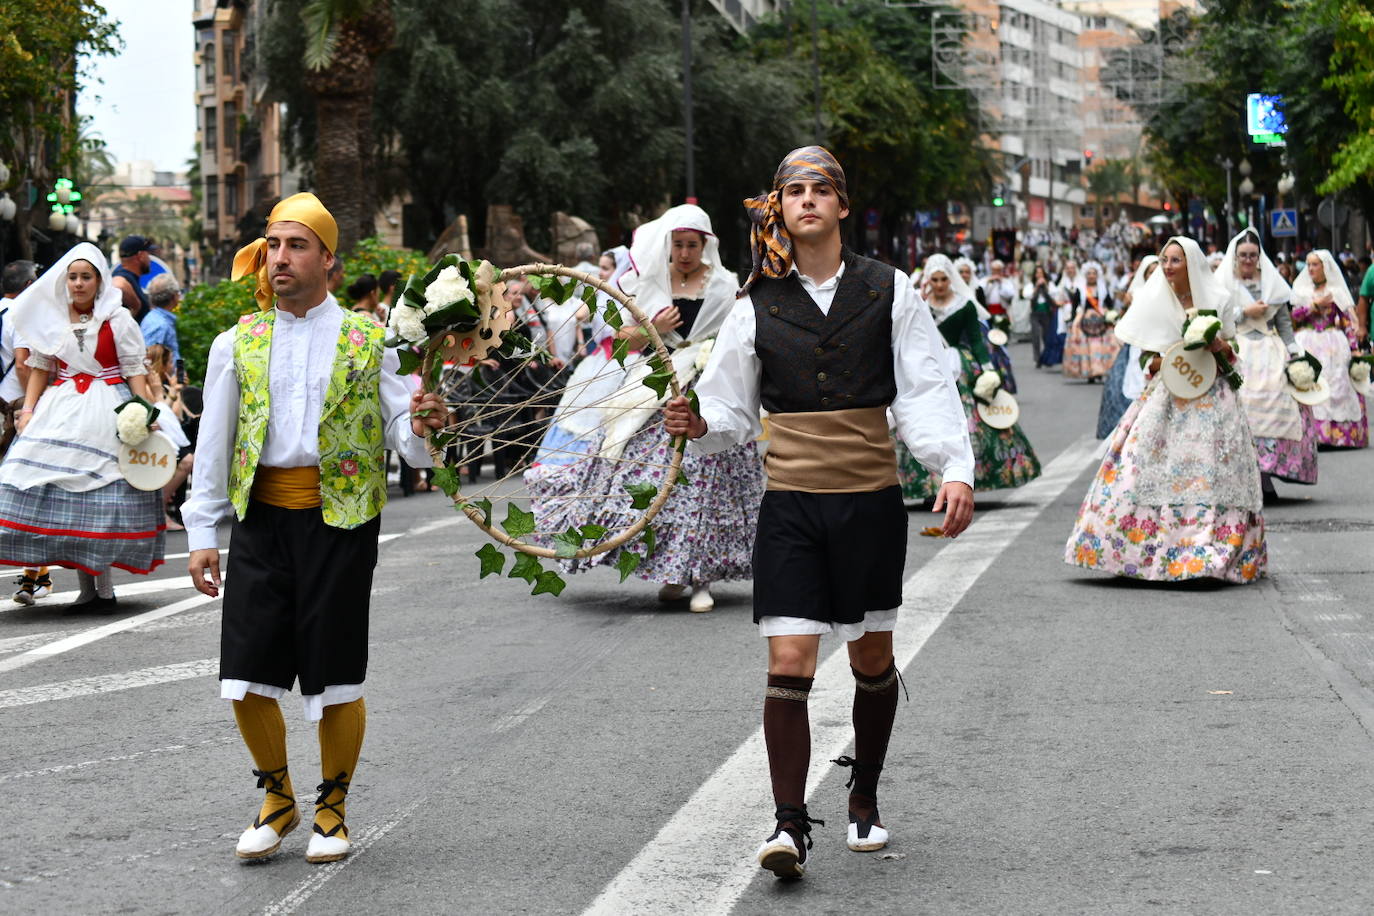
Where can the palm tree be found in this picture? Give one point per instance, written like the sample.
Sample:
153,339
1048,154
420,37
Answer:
344,38
1108,181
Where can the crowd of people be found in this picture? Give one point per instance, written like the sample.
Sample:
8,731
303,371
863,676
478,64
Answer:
822,397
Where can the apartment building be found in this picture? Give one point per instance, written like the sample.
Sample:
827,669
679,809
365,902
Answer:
242,167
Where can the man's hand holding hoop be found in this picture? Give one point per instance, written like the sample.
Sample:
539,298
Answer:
680,420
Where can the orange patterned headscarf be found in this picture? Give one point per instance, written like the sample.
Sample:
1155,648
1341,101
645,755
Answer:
769,242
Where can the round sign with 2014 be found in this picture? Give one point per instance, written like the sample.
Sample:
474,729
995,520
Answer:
1188,374
150,464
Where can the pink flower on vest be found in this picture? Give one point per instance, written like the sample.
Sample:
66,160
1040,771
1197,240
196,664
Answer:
349,467
243,457
357,338
259,329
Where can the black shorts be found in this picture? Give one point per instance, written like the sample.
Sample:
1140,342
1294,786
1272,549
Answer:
296,600
829,556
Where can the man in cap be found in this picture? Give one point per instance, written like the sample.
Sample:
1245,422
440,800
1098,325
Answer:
301,399
134,254
827,341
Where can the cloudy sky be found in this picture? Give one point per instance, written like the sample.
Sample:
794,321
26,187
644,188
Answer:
143,104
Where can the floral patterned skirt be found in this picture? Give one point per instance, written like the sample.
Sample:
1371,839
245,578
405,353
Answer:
1293,460
1343,421
1003,458
1178,494
1089,357
704,532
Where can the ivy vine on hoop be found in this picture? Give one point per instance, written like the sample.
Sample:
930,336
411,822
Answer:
457,314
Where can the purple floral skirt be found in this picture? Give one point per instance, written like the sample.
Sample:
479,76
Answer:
1293,460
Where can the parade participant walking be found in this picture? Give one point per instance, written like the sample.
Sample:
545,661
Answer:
826,341
1178,494
1285,431
705,531
300,401
1091,346
1324,323
1126,381
63,500
1003,457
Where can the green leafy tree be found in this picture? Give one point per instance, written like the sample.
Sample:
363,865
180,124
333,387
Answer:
1352,77
1108,181
41,45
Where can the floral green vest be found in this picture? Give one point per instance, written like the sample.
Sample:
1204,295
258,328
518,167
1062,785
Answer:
352,473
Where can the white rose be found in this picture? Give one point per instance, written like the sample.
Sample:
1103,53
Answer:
704,354
1199,328
1112,316
408,323
987,384
449,287
132,422
1359,372
1301,375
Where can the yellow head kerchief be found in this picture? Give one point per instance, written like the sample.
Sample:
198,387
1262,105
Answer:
304,208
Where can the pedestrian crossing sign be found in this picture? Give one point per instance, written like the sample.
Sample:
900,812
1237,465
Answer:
1283,224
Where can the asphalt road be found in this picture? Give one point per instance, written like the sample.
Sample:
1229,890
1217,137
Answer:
1073,743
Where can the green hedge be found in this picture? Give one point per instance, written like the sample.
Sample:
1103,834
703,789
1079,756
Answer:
209,308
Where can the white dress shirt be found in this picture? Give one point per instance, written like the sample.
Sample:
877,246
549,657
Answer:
929,415
300,365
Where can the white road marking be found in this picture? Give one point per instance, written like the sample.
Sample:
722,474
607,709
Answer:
700,860
108,683
87,637
606,644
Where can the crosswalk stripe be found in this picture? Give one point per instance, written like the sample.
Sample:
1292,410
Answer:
108,683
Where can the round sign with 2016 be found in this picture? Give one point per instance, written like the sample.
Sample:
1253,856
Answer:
1188,374
1001,412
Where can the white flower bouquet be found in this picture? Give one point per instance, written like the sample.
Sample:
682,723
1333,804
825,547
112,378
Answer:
134,421
449,297
1303,371
987,386
1360,366
704,354
1112,316
1200,328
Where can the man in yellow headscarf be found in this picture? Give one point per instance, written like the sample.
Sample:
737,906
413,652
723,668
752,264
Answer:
301,399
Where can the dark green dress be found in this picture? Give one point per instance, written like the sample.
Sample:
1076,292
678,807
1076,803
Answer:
1003,458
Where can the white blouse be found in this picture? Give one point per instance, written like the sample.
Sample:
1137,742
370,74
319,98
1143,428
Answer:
80,357
928,413
300,365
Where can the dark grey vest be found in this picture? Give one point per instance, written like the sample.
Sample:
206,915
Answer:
813,361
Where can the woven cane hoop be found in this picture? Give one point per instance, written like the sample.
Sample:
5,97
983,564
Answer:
434,349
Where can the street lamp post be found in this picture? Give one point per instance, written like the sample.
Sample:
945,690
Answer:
687,100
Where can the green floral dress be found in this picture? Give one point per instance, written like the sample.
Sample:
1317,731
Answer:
1003,458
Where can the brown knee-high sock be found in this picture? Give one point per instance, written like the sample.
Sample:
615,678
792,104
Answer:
341,742
787,735
875,708
264,731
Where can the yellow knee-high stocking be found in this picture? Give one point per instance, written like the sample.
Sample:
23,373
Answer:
264,731
341,741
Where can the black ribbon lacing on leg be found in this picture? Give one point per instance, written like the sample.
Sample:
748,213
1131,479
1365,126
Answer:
325,788
273,783
900,680
855,767
798,819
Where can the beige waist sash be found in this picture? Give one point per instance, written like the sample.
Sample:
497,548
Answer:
831,451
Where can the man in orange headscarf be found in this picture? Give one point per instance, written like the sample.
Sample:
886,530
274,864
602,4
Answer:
301,399
827,342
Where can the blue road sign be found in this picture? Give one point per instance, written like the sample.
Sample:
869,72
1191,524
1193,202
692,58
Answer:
1283,224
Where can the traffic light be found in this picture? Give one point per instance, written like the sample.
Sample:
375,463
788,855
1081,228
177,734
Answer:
999,195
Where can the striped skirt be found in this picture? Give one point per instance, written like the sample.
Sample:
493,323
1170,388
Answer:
114,525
